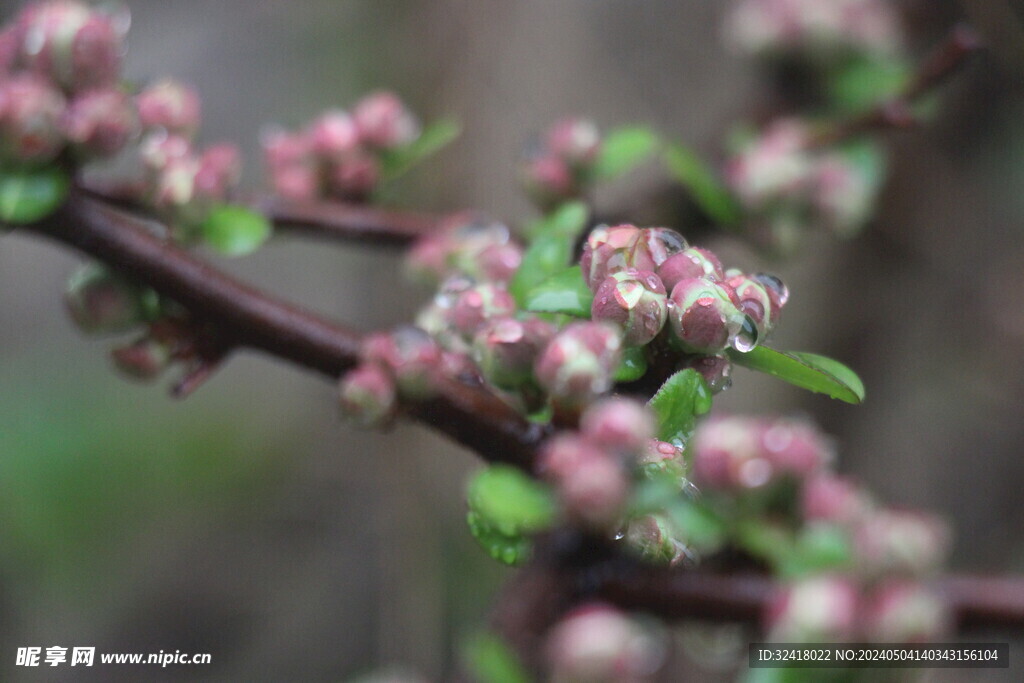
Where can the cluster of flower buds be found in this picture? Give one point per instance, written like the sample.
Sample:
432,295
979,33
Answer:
784,181
559,165
838,608
645,277
466,243
597,642
814,29
591,470
402,363
339,154
60,62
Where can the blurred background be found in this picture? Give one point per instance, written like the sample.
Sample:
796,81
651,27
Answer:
250,523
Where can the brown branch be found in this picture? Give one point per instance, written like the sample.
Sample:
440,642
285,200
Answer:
242,316
897,111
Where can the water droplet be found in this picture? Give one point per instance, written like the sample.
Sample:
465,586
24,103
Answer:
776,288
746,339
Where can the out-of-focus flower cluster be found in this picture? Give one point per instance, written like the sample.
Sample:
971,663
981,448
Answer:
787,185
340,154
60,63
856,570
814,28
597,642
558,166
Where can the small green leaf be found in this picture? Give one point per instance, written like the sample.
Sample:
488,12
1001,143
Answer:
679,401
821,547
28,195
550,252
698,525
633,365
510,501
864,82
564,292
489,660
435,137
805,370
623,149
707,191
510,549
234,230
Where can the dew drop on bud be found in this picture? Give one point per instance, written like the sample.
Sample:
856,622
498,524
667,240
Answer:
775,287
746,339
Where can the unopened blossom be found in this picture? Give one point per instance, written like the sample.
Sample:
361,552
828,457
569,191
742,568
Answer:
579,363
815,609
171,105
596,642
367,394
100,122
506,349
30,119
704,316
636,301
618,424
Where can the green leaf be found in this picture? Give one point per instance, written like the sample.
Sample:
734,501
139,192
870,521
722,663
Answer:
510,501
623,149
821,547
805,370
234,230
565,292
698,525
489,660
28,195
864,82
633,365
707,191
550,252
511,549
435,137
679,401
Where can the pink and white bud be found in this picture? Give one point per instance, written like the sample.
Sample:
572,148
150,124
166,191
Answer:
635,300
843,194
753,301
826,497
654,246
690,263
173,186
815,609
334,134
580,362
354,176
170,105
383,121
100,122
775,167
794,447
576,141
596,642
549,180
716,370
903,543
496,262
506,349
662,455
704,316
30,120
606,252
144,359
367,395
478,304
219,170
409,354
595,493
727,455
71,44
905,612
158,151
560,455
619,424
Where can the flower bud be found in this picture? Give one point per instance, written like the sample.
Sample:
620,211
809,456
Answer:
889,542
727,455
828,498
367,394
74,46
144,359
618,424
171,105
816,609
753,301
636,301
580,362
661,455
548,180
905,612
774,167
595,492
605,252
30,114
843,194
794,447
409,353
496,262
596,642
100,122
716,370
561,454
334,134
101,302
219,170
353,176
575,141
506,349
690,263
703,315
654,246
478,304
159,150
652,538
383,121
174,184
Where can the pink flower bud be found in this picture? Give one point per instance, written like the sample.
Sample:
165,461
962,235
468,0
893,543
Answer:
100,122
580,362
383,121
548,180
905,612
575,141
171,105
496,262
561,454
409,354
74,46
478,304
829,498
690,263
777,291
703,315
727,455
426,261
506,349
283,149
174,184
143,360
795,447
334,134
899,542
816,609
662,454
596,642
605,252
100,301
753,301
30,113
353,176
774,167
654,246
367,394
716,370
595,492
219,170
158,150
636,301
296,182
618,424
